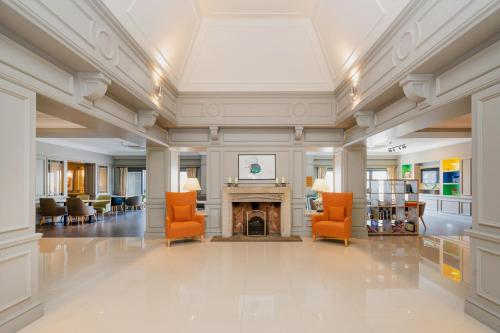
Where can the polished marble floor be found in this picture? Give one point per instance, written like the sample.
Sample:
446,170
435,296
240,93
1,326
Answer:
134,285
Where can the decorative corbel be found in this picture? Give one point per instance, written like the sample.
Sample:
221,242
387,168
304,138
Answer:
365,119
92,86
147,118
418,88
214,133
299,133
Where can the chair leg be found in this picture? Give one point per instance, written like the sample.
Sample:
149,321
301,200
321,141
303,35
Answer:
202,237
346,242
314,238
42,220
168,242
422,219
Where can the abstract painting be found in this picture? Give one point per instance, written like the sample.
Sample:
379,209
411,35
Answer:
256,167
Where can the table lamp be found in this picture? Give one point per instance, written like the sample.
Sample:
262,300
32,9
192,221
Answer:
191,184
320,185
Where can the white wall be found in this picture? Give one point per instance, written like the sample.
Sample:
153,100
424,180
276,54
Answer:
47,151
462,150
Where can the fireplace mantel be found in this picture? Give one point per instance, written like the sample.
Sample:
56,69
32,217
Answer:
256,194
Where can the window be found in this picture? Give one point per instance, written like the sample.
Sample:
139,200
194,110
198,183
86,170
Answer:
103,179
134,183
55,177
376,174
182,179
329,178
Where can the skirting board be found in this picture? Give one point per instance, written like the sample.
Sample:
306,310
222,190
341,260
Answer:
486,317
20,320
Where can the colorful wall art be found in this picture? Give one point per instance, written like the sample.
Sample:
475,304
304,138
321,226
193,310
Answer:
256,167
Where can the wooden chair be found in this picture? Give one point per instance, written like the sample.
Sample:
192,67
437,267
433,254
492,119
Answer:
336,220
182,220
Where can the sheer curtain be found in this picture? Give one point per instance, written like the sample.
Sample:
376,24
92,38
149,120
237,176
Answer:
122,179
322,172
391,172
191,172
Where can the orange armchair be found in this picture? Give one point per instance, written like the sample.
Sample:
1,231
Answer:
182,220
336,219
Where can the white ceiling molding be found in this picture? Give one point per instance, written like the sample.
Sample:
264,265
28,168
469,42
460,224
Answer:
262,8
147,118
418,88
92,86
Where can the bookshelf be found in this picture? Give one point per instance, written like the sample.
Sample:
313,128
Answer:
393,207
451,177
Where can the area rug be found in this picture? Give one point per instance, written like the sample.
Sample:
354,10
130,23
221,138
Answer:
243,238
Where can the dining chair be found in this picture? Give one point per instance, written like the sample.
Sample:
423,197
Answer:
77,209
49,207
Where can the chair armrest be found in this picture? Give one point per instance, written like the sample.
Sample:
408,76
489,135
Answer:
318,217
200,218
167,225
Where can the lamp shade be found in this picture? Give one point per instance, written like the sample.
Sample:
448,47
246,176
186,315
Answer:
320,185
191,184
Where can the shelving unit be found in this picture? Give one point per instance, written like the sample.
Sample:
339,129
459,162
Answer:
406,169
393,207
451,176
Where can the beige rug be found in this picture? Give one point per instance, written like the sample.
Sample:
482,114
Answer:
243,238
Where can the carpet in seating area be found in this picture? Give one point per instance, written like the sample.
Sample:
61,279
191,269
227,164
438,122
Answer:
243,238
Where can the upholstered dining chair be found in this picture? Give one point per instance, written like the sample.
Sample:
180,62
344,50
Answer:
133,202
83,196
77,209
117,204
336,220
104,205
49,207
182,220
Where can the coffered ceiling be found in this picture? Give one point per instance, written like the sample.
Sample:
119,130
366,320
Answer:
256,45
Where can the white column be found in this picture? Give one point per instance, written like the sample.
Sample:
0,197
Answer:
483,302
158,182
350,176
19,304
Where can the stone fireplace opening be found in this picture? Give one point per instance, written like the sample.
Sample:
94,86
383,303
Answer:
256,218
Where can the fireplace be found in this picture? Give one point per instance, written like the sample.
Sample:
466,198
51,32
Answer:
256,218
238,202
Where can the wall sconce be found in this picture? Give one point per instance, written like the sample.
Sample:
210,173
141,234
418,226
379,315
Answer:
158,91
354,91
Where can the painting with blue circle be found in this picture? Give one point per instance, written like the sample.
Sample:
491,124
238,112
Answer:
256,167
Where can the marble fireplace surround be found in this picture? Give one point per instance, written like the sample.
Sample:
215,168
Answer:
256,194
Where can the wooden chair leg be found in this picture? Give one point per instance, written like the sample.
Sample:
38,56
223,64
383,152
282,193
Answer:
168,242
42,220
346,242
314,238
202,237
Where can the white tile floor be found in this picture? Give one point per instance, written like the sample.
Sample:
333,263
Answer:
131,285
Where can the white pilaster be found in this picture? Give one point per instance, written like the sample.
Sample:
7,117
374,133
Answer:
483,302
19,304
350,176
158,182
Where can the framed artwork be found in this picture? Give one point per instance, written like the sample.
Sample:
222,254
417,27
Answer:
256,167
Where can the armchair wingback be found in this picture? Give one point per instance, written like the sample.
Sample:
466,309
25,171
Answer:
336,219
181,218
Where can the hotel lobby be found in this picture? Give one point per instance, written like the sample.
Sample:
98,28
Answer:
250,166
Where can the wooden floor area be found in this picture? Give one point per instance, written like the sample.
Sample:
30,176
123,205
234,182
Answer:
129,224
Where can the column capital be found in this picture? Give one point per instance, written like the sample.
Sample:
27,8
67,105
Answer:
147,118
214,133
92,85
299,133
365,119
418,88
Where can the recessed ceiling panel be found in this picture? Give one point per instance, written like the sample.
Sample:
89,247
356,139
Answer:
256,55
257,7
